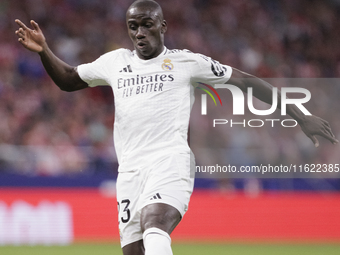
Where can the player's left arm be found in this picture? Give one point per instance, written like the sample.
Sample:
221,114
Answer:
311,125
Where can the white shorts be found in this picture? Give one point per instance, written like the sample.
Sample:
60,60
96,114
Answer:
170,180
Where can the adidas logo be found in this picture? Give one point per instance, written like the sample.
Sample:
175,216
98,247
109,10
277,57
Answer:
157,196
126,69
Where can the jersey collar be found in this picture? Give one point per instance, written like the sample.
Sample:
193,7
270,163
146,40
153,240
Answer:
164,52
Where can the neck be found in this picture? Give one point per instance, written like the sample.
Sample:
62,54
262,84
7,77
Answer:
153,55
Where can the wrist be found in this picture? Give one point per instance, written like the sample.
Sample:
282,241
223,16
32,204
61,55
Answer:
44,48
296,114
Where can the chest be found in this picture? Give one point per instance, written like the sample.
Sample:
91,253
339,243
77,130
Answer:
161,78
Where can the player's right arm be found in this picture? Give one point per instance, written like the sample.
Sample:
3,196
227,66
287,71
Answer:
64,76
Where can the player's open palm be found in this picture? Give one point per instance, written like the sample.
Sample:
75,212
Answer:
32,39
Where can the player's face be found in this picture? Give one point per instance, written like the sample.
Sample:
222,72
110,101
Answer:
146,31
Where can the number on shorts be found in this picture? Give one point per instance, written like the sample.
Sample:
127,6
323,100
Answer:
126,209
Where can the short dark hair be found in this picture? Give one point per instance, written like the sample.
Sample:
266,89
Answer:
149,3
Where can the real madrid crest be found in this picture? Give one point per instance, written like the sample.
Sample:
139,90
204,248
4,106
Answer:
167,65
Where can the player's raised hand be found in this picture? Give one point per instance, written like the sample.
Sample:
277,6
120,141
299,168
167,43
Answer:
32,39
313,125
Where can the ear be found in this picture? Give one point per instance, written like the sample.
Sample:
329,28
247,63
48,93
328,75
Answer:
164,27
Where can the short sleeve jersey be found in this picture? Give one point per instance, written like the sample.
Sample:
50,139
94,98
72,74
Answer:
153,99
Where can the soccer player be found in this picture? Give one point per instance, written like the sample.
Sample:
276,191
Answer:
153,90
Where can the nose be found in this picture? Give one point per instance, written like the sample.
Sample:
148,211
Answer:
140,33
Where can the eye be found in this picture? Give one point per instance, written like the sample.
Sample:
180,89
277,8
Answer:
132,27
148,25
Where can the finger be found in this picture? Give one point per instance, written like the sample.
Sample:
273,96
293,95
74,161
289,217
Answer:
22,42
35,25
329,137
21,24
324,121
330,132
326,130
314,140
20,32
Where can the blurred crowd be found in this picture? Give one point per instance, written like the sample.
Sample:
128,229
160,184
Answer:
44,131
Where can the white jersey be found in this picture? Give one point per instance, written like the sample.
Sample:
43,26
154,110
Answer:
153,99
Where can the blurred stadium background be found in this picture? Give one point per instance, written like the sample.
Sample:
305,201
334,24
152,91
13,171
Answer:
57,160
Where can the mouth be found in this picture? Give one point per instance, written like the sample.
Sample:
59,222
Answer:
141,44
